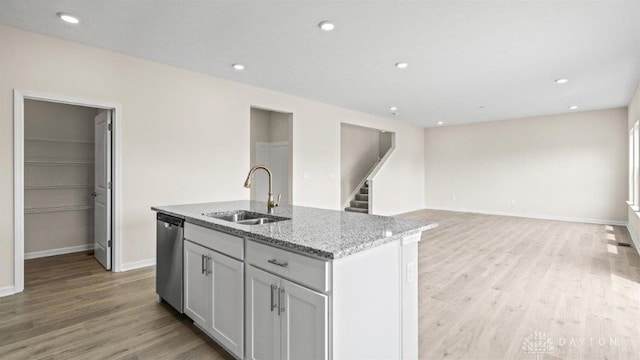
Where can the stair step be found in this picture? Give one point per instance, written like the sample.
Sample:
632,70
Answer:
364,190
362,197
358,210
360,204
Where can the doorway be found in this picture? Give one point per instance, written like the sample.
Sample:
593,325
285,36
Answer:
66,158
271,145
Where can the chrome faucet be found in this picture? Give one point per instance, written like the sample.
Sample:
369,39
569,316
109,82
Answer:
270,202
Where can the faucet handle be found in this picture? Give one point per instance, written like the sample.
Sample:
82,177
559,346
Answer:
277,203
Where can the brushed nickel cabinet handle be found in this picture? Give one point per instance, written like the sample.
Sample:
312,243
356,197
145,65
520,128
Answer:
278,262
281,301
204,269
273,301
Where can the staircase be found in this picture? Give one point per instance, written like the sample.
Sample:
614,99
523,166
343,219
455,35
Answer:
360,203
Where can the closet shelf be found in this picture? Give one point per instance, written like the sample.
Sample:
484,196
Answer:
48,187
39,210
63,141
58,162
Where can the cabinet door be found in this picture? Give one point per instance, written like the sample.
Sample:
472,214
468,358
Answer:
227,322
197,284
262,323
304,320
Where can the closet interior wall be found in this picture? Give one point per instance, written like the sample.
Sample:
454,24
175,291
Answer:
58,178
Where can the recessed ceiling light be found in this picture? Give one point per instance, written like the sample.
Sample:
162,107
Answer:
480,107
393,108
573,107
562,81
326,25
383,131
68,18
440,122
238,67
402,65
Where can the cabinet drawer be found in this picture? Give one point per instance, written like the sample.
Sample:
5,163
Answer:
215,240
313,273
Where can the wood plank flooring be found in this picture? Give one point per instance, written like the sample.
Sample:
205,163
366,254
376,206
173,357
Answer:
486,284
73,309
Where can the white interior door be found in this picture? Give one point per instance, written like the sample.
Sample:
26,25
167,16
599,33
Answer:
102,192
275,156
280,169
260,179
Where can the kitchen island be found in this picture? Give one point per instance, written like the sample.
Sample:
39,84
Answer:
311,284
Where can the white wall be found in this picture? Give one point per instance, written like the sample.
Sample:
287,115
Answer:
185,136
359,147
633,115
571,166
386,141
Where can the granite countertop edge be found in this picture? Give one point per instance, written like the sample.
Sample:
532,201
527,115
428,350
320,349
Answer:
298,248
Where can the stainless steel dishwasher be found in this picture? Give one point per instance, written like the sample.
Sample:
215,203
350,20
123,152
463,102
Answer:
169,257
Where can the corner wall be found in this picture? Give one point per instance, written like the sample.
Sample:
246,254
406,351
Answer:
359,149
185,136
571,166
633,217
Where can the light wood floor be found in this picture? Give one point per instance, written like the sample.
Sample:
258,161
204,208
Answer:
73,309
486,283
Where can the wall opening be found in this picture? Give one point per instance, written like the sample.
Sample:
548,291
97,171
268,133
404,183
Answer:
58,178
65,168
361,152
271,144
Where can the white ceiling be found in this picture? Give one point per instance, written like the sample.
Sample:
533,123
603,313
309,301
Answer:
502,55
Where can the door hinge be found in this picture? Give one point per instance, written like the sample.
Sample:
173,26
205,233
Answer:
109,185
109,243
109,127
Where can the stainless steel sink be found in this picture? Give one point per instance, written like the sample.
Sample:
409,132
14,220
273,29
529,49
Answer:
245,217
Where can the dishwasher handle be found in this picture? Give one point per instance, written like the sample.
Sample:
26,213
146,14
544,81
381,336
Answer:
169,220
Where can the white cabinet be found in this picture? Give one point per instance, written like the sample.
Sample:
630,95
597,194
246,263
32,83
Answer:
214,295
227,299
290,306
304,322
197,284
284,320
263,322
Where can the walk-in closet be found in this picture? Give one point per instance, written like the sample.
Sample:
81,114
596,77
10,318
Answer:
58,178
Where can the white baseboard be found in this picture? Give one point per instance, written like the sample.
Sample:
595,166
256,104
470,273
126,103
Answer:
60,251
7,290
138,264
634,239
535,216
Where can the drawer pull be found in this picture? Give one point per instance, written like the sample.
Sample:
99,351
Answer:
278,262
281,301
274,304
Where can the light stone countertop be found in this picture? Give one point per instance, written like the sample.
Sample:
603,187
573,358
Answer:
327,234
